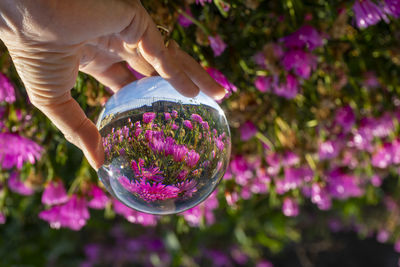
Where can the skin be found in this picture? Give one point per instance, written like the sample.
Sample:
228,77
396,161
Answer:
50,41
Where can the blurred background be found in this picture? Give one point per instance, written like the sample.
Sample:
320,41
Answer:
313,105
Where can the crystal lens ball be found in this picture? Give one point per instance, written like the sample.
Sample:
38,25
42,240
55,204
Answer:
164,153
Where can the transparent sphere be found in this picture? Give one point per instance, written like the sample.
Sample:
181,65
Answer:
164,153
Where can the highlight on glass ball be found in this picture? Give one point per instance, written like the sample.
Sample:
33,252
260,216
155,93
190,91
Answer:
164,152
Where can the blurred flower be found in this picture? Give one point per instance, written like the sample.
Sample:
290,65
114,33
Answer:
345,117
7,92
383,157
289,89
264,263
343,186
202,212
382,236
290,207
54,193
376,180
247,130
201,2
290,158
134,216
320,197
183,20
302,63
397,246
370,80
328,149
15,150
17,186
99,198
196,118
367,13
217,44
72,214
2,218
306,36
392,8
263,84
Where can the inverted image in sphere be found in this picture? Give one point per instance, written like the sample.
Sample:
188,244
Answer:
164,153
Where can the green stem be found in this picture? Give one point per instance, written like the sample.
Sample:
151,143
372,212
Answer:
265,140
195,21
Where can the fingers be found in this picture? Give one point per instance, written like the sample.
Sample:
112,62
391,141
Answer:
151,46
48,76
68,116
197,73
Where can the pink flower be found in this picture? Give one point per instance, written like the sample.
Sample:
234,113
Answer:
99,198
195,215
264,263
218,46
289,89
148,117
192,158
149,192
328,149
263,84
290,208
320,197
306,36
187,188
7,92
222,80
345,117
174,114
15,150
167,116
343,186
54,193
134,216
184,21
392,7
17,186
196,118
179,152
188,124
302,63
2,218
367,13
247,130
201,2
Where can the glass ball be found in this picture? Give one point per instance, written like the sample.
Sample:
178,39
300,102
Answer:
164,152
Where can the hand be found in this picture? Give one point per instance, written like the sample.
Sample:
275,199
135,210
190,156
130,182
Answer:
50,41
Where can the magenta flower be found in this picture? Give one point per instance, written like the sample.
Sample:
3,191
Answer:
328,150
134,216
370,80
72,214
367,13
264,263
184,21
290,158
382,236
17,186
218,46
290,208
345,117
195,215
148,117
167,116
301,62
187,188
54,193
154,192
196,118
320,197
192,158
288,89
15,150
174,114
392,8
260,60
247,130
201,2
2,218
397,246
383,157
7,92
222,80
99,198
263,84
179,152
188,124
306,36
343,186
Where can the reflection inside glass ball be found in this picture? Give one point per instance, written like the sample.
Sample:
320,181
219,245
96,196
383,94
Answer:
164,153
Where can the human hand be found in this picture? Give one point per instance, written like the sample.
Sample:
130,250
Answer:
50,41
